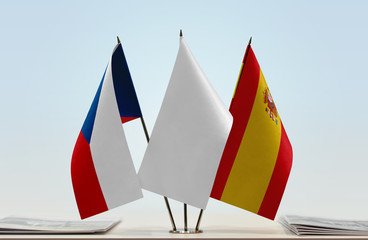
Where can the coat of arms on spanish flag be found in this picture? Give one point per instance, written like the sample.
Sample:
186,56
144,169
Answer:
257,158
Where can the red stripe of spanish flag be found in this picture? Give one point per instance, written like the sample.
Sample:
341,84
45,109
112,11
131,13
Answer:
257,157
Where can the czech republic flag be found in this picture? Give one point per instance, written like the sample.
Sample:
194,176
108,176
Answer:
102,169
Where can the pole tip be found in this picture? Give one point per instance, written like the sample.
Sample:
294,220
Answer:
118,39
181,33
250,41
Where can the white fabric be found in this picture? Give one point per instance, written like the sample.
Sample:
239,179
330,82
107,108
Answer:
188,138
110,153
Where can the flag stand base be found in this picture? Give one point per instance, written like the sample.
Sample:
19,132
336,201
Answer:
186,230
182,231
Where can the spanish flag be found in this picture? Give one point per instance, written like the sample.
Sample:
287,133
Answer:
257,158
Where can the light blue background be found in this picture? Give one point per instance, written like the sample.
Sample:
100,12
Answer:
313,55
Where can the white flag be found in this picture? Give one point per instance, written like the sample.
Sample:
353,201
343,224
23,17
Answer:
188,138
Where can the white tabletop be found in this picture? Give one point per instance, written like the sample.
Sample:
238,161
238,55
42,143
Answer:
218,226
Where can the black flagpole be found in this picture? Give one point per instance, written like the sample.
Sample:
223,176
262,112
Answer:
185,218
199,220
147,138
185,205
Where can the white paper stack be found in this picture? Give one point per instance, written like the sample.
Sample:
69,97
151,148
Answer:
11,225
321,226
